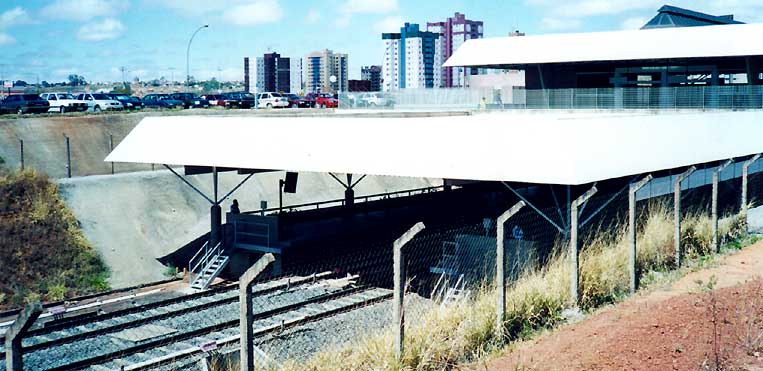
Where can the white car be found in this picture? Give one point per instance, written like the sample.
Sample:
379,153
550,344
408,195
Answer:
271,100
372,100
63,102
97,102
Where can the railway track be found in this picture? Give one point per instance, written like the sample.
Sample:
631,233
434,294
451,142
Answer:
172,331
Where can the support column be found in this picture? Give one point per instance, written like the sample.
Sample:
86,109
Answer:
745,172
247,311
216,225
13,352
575,278
714,207
500,273
68,158
677,212
399,289
634,187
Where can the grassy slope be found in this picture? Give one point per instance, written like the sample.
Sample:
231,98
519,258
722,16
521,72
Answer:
43,252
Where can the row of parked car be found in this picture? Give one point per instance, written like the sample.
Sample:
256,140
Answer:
97,102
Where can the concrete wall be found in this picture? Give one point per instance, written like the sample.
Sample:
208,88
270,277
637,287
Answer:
134,218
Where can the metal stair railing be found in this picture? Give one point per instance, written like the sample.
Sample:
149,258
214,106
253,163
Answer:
204,261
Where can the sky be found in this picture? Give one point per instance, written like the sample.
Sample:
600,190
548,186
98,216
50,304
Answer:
98,39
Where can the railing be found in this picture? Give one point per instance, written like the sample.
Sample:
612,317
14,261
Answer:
340,202
678,97
202,262
252,233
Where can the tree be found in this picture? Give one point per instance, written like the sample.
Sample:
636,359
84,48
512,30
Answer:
20,83
45,84
77,80
123,89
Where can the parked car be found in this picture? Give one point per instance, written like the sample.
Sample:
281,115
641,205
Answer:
271,100
295,101
238,100
214,99
127,101
63,102
309,99
97,102
372,100
325,100
161,101
24,103
190,100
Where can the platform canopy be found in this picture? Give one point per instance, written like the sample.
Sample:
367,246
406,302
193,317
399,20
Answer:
548,148
737,40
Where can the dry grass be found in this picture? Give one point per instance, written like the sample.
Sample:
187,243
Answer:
442,338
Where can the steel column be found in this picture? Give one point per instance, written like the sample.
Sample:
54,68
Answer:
714,207
399,280
68,158
634,187
575,278
21,152
677,212
500,274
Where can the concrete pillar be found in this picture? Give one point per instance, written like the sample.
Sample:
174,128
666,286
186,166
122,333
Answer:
714,207
575,278
745,173
500,274
349,197
677,212
13,352
216,217
399,280
247,311
634,187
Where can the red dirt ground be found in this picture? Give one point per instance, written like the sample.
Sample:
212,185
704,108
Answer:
667,329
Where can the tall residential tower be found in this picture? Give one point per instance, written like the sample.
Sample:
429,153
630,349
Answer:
320,66
412,59
455,31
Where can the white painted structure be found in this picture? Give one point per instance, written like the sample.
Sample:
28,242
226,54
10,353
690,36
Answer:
658,43
391,65
295,75
535,147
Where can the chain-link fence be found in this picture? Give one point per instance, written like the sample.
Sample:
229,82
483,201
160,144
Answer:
449,268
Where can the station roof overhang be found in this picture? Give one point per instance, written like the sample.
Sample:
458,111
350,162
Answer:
529,147
678,43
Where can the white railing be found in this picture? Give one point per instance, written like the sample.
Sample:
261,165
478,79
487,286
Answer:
199,262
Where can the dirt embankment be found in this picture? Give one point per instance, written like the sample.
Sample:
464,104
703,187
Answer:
684,326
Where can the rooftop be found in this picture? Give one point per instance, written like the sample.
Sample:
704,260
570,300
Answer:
672,16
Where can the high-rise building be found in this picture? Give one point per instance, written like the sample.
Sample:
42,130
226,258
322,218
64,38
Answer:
412,59
246,74
372,74
454,32
273,73
320,66
296,75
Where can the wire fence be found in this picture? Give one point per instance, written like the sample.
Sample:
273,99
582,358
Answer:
512,98
449,269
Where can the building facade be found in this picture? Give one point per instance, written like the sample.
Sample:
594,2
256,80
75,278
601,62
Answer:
373,75
412,59
454,32
320,66
296,75
273,73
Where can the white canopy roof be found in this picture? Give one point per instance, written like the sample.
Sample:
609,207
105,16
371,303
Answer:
548,147
659,43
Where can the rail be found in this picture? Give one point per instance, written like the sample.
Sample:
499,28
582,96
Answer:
341,202
203,262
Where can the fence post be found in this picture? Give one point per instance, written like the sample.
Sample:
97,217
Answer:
500,274
677,212
247,311
634,187
575,279
21,152
68,158
745,173
398,314
714,206
13,352
111,149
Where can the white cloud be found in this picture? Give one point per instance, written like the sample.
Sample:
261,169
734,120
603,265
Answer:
369,6
313,16
84,10
633,23
560,24
6,39
389,24
254,13
13,17
107,29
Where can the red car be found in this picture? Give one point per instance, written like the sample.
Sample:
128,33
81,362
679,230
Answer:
321,100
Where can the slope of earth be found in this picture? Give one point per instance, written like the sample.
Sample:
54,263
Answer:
708,320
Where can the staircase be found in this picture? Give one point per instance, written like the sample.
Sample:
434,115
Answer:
206,265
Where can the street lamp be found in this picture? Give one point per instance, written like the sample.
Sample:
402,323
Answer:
188,58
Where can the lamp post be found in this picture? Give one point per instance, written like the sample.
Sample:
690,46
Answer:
188,58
